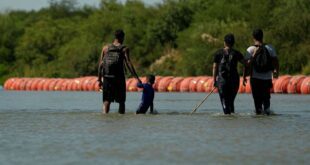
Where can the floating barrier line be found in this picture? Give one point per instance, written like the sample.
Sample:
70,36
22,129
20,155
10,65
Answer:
299,84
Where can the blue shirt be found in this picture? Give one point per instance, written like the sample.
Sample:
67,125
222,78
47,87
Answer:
148,94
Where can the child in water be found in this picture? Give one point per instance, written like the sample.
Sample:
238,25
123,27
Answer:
147,96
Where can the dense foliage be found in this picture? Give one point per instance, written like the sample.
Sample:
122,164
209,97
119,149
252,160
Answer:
177,37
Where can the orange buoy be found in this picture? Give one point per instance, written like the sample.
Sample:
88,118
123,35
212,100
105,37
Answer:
58,84
241,87
164,83
208,85
200,84
184,86
23,83
248,88
91,84
29,81
85,83
281,84
157,80
274,80
193,84
8,83
40,84
96,86
69,86
61,85
34,84
294,84
132,87
52,84
175,84
305,86
128,81
15,84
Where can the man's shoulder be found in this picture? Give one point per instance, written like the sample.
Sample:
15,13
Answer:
271,49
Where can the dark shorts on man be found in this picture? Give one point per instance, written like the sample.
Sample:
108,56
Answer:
114,89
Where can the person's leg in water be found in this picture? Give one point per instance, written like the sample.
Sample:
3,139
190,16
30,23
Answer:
257,95
142,109
106,107
224,98
121,108
233,93
266,96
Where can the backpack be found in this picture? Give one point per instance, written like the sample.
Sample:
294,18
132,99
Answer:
225,65
113,61
262,62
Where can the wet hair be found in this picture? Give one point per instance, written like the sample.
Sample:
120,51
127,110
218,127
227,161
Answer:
119,34
150,78
258,34
229,39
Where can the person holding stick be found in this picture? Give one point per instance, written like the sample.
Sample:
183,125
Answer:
225,73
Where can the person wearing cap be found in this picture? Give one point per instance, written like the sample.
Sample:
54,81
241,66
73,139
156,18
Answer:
225,73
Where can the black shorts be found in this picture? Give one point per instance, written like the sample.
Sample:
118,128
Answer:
114,89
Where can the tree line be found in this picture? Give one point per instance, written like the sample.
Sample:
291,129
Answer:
176,37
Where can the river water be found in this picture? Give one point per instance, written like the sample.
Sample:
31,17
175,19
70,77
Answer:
48,128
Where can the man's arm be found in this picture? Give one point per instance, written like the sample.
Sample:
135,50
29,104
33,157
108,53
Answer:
215,73
100,65
129,64
275,62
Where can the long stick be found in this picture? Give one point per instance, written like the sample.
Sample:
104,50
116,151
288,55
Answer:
194,110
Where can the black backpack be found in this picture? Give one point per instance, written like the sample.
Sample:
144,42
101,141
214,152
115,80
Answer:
113,61
225,65
262,62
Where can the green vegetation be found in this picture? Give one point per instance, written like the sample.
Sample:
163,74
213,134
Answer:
177,37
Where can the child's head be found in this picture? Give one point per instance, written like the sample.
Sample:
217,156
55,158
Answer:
150,79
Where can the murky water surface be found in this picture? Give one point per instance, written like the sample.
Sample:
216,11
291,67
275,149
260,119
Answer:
68,128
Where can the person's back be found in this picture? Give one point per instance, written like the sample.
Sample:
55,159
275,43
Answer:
261,77
147,95
111,76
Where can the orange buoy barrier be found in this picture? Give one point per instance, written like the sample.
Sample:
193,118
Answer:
305,86
284,84
200,84
184,86
175,84
281,84
294,85
164,83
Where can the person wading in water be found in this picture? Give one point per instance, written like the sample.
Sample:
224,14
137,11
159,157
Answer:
225,73
111,73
